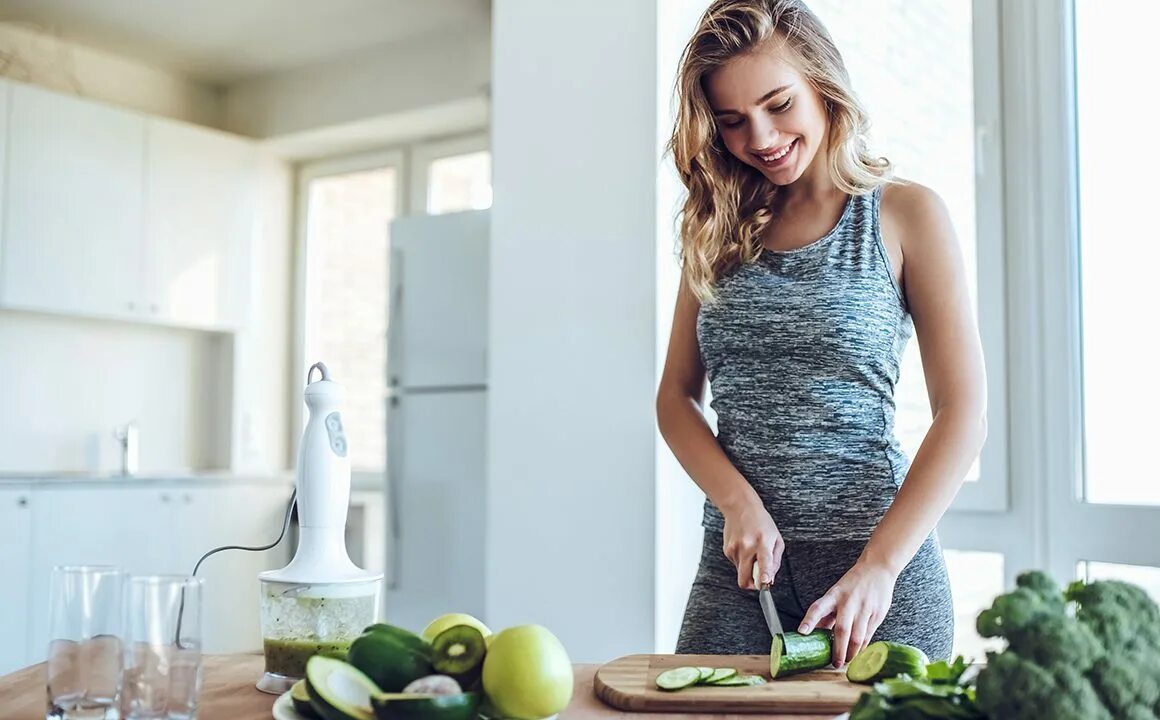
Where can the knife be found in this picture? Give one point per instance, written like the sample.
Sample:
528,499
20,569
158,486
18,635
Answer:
768,608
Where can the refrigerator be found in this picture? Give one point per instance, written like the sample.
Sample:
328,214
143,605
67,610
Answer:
436,417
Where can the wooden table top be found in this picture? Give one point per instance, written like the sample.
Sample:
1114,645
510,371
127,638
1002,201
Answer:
228,693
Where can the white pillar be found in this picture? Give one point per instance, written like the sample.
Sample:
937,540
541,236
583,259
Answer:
582,278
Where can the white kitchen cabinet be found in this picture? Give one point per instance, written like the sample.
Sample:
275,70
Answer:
15,537
73,231
209,517
199,199
161,528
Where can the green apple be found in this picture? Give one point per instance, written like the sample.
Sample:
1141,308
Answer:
443,622
527,674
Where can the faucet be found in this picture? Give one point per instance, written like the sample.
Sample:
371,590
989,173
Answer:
128,438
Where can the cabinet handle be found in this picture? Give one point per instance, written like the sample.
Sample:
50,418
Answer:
187,498
165,497
22,501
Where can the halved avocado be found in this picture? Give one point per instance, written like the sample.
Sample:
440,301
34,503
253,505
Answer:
301,699
397,706
339,691
388,660
459,651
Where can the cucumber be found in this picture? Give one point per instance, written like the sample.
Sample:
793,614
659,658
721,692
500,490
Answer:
720,674
339,691
885,659
706,673
793,652
678,678
740,680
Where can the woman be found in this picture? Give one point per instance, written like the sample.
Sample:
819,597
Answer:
805,269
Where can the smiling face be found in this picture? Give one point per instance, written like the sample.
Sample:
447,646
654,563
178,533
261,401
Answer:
768,115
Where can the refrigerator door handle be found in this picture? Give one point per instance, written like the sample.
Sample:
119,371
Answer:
394,467
395,320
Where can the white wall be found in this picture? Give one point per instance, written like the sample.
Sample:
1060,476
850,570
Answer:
425,71
39,58
579,494
65,383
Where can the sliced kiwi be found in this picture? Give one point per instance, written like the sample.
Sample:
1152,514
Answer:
458,651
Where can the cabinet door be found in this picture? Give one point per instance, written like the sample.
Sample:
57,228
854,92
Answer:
74,225
98,525
199,210
15,540
212,516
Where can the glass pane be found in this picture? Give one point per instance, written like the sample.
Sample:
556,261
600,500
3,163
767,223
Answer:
924,122
976,578
1142,575
460,182
1118,253
346,309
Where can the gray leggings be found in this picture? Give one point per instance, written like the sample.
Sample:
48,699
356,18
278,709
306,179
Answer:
722,619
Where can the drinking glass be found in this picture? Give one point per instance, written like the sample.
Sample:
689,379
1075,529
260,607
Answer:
85,652
162,676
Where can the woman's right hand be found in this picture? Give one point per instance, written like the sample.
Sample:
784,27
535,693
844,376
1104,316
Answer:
752,537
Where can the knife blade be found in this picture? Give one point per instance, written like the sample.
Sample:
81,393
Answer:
768,608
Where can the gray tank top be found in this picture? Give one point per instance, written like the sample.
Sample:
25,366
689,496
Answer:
802,350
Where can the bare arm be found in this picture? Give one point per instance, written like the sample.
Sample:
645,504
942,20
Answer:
750,532
952,359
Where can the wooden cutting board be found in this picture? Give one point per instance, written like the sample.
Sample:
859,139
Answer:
629,683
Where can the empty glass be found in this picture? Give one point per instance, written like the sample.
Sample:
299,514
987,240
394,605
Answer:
162,677
85,652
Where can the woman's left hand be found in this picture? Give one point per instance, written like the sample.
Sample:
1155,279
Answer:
854,607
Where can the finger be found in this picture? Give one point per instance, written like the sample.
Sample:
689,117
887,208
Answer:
765,570
842,630
820,610
778,551
858,635
745,572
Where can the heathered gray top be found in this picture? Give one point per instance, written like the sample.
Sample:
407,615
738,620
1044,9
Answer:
802,350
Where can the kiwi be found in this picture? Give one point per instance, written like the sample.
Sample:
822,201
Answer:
458,651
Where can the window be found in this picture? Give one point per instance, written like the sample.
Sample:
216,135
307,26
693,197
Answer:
348,206
1119,252
451,175
976,578
937,125
1147,578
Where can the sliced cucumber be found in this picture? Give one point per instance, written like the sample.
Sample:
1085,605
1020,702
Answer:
739,680
885,659
720,674
678,678
339,691
706,673
793,652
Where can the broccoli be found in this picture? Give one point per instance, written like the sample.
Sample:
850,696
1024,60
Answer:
1091,652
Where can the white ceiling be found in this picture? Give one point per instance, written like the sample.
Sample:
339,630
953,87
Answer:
221,41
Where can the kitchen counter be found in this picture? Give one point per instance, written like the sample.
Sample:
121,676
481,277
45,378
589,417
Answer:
208,478
229,694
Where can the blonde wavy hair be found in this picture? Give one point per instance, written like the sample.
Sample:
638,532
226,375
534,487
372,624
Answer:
729,203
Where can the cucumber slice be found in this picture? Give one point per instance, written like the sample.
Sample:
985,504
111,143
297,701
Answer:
706,673
793,652
678,677
740,680
885,659
720,674
339,691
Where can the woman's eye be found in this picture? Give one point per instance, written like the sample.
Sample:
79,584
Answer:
783,107
731,124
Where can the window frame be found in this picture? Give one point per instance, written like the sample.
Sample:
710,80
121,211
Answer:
421,155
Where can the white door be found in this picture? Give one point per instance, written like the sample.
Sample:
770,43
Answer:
438,326
435,535
199,220
206,517
15,568
73,231
103,525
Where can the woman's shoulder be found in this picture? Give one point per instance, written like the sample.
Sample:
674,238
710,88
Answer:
909,211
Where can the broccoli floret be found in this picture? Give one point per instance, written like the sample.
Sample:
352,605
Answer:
1100,661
